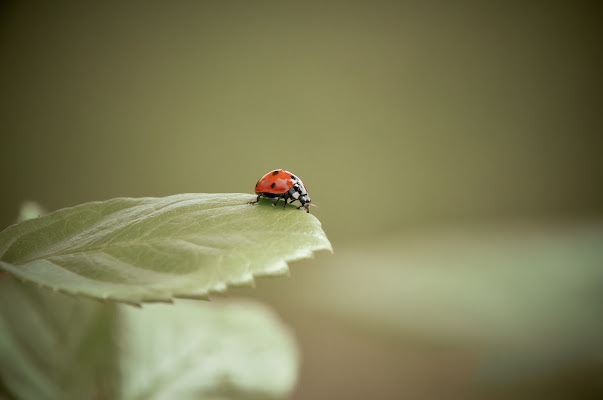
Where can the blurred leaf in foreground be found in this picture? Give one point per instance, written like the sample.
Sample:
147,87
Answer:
528,298
217,350
153,249
54,346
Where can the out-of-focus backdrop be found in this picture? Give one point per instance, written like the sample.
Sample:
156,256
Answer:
454,150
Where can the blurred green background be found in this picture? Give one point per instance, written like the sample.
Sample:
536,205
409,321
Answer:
406,121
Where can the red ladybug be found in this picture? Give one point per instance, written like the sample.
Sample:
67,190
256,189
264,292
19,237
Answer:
282,184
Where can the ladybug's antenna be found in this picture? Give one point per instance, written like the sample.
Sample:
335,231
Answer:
312,204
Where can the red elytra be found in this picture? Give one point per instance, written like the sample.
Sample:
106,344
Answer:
278,181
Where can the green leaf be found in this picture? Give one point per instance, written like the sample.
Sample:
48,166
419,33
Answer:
54,346
153,249
199,350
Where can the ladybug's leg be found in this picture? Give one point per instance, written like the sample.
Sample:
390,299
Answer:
256,200
277,200
286,198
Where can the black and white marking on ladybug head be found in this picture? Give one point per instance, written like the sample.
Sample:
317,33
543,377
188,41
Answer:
298,192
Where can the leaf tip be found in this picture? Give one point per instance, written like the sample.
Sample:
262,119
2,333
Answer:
30,210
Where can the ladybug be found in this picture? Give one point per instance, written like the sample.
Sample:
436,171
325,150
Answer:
282,184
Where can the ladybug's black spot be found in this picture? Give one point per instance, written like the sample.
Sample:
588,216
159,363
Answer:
273,185
275,173
293,177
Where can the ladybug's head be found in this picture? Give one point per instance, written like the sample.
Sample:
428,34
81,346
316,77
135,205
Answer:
305,202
